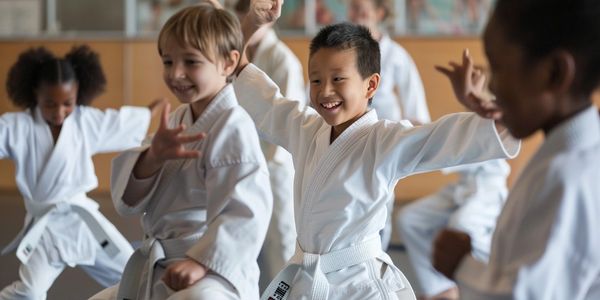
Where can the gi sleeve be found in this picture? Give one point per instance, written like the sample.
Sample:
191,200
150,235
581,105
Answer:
455,139
5,137
124,184
238,214
279,121
116,130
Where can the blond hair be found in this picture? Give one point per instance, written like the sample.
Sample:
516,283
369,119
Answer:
211,30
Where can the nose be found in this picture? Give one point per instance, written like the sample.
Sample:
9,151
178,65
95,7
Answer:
176,71
327,89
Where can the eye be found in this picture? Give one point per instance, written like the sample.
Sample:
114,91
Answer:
315,81
192,62
167,62
338,78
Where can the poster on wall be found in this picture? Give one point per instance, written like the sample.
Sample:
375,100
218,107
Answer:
447,17
20,17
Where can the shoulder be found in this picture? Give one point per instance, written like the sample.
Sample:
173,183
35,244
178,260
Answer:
233,138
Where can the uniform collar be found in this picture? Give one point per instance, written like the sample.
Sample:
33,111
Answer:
579,131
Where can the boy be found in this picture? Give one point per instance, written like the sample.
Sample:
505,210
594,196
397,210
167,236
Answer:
204,218
347,162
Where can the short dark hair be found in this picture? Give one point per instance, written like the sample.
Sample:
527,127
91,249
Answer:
38,65
346,36
542,26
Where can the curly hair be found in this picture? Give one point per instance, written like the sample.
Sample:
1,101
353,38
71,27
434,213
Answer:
38,65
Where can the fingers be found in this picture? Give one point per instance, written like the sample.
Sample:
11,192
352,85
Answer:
184,139
444,70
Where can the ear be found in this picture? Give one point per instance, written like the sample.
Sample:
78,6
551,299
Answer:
561,69
231,62
372,85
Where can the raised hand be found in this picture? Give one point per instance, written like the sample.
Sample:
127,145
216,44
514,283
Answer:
167,144
468,84
449,248
264,11
182,274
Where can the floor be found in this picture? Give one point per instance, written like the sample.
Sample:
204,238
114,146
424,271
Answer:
74,283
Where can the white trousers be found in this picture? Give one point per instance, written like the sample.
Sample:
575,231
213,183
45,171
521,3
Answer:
280,241
37,276
212,286
420,221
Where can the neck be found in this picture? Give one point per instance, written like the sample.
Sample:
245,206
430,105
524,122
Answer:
198,107
565,115
337,130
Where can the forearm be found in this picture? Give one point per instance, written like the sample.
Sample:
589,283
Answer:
147,165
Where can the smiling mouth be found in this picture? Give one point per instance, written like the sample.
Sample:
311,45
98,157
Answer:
331,105
182,89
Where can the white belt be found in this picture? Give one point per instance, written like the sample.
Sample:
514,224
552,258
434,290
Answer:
84,209
151,252
317,265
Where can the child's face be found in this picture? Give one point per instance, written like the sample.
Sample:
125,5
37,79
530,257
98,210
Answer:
189,74
526,103
337,90
365,12
57,101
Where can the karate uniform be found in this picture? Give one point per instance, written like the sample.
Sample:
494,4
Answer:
214,209
470,205
277,60
400,96
341,188
546,241
62,226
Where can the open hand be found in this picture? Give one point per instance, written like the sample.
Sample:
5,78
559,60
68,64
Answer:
449,248
468,84
182,274
169,143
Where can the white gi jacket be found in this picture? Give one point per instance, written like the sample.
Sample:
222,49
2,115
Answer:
400,94
214,209
50,176
546,244
341,188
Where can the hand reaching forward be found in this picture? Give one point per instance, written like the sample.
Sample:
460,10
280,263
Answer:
449,248
182,274
167,144
468,84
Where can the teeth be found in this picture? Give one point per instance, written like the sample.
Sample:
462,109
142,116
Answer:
330,104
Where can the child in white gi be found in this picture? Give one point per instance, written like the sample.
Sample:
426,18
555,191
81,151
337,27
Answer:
201,184
347,162
400,95
545,63
52,143
471,204
273,57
